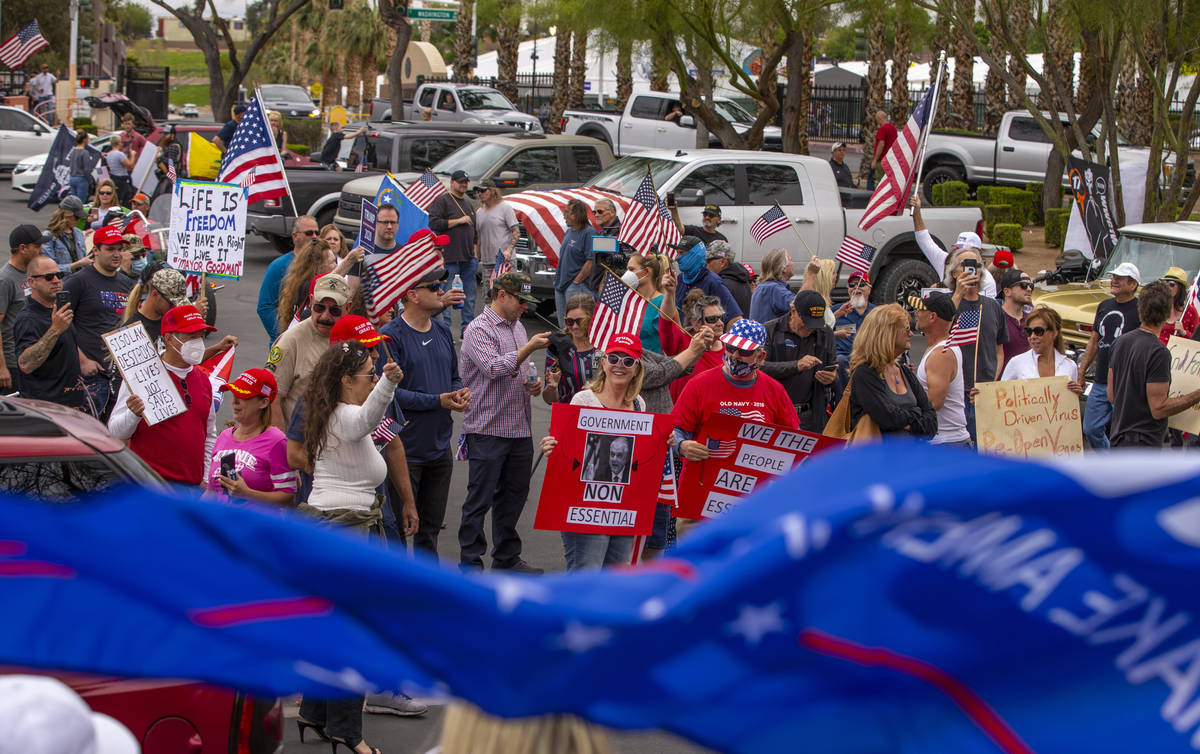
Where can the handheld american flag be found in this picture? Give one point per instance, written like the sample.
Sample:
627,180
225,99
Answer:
171,175
16,49
389,276
856,254
642,225
619,310
424,190
900,163
671,234
771,222
502,266
252,151
965,330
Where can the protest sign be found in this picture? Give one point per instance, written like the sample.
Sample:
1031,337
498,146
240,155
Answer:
742,456
144,373
366,227
1185,377
1028,418
604,475
208,228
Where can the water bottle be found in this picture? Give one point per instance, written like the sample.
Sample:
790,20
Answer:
457,286
531,375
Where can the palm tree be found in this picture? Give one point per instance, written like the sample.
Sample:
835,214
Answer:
876,11
1144,104
1019,16
901,54
994,103
367,44
562,72
464,41
963,94
941,42
1060,51
578,68
509,40
624,71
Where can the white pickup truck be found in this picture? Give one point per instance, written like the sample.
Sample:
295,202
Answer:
467,103
644,124
745,184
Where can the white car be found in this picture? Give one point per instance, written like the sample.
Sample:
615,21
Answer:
25,175
22,135
190,111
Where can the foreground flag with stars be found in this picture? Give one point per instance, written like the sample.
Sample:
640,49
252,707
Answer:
18,48
771,222
389,276
643,226
671,234
252,156
965,330
856,254
892,597
619,310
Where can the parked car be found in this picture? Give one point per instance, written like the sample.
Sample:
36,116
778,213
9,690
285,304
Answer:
468,103
291,101
746,183
643,124
1153,247
22,135
190,111
517,161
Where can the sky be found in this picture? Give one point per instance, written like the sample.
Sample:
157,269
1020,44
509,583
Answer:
228,8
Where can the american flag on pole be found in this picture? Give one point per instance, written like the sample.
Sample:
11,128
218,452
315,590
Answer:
16,49
424,190
671,234
252,151
965,330
666,488
856,254
771,222
619,310
502,266
900,165
389,276
218,369
642,225
171,176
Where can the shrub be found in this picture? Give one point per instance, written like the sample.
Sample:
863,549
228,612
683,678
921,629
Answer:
984,194
972,203
1056,226
300,149
1021,201
303,131
1007,234
950,194
996,213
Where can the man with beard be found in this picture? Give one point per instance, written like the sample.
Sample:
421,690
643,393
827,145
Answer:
297,351
1017,291
846,326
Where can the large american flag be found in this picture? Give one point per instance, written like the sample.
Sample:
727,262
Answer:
619,310
643,225
424,190
900,165
541,214
856,254
16,49
252,151
389,276
965,330
771,222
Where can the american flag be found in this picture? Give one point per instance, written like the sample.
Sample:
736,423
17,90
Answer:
252,150
218,368
856,254
666,488
16,49
965,330
247,179
900,164
619,310
721,448
671,234
424,190
502,266
771,222
171,171
386,431
540,213
643,225
389,276
1191,309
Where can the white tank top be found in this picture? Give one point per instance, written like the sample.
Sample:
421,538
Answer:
952,416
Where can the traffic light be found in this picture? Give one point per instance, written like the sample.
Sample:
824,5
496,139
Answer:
336,4
85,51
860,44
85,8
87,83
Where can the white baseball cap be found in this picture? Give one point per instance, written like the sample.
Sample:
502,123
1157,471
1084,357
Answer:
1128,270
968,239
40,715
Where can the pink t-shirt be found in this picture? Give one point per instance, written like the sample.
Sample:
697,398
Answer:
261,461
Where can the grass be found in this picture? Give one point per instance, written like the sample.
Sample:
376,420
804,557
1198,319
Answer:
183,63
197,94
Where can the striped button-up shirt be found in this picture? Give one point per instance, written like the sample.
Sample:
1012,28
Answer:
490,369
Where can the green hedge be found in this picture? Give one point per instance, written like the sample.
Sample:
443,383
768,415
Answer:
972,203
1056,226
300,149
1021,201
303,131
950,194
996,213
1007,234
984,194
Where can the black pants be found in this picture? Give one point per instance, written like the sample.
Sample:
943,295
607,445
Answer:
431,487
341,719
125,190
498,480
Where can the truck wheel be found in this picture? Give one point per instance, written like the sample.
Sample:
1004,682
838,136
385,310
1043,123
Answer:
282,244
940,174
325,216
902,278
595,134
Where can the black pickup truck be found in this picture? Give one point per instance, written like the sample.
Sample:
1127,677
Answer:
386,147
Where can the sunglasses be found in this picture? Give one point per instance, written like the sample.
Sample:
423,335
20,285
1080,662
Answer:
713,319
311,233
105,193
859,284
336,311
1038,331
732,351
51,276
435,287
615,359
572,321
1026,285
372,375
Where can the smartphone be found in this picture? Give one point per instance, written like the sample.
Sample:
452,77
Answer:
670,198
61,299
228,467
971,268
828,367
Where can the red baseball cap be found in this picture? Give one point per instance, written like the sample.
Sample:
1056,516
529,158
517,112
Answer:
442,240
355,327
626,343
109,235
859,274
750,270
185,319
253,382
1003,259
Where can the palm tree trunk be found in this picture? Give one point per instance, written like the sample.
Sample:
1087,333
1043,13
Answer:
963,94
370,77
1143,98
354,84
876,86
1060,54
941,42
901,55
464,42
624,71
509,39
994,103
578,68
660,70
1019,14
796,98
562,72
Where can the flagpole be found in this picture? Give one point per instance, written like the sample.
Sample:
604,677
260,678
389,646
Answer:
792,225
933,105
975,369
278,157
648,301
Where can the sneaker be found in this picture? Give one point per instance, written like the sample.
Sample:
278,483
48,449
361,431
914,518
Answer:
520,566
394,704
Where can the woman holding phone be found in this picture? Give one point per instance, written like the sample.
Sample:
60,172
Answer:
249,460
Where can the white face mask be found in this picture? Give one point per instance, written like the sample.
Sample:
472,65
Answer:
631,278
191,351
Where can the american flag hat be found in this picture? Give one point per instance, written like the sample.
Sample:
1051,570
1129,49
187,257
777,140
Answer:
745,334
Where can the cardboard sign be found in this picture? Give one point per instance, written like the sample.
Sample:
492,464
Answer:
1028,418
208,228
604,475
366,228
742,457
144,372
1185,377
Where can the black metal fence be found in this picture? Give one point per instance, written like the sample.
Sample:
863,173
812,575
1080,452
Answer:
12,83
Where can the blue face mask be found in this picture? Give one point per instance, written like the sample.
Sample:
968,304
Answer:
691,264
137,265
738,368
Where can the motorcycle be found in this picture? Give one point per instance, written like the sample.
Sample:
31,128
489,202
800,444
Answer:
1071,266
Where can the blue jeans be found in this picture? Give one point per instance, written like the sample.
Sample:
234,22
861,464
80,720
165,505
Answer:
466,270
562,297
583,551
1096,414
79,187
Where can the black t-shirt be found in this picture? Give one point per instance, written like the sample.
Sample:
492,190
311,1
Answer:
841,174
993,331
333,144
57,379
1137,358
1113,319
699,232
98,303
153,326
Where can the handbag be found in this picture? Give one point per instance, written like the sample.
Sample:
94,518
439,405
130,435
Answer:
839,427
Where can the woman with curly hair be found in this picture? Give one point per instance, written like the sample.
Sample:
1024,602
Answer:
313,259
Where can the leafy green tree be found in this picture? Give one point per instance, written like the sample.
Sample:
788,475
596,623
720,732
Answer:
133,21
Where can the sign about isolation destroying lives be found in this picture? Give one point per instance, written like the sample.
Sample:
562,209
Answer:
208,228
144,373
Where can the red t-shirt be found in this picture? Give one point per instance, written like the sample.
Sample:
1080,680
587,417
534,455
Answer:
708,360
886,134
712,392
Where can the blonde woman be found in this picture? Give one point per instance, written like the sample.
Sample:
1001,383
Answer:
881,387
67,246
106,202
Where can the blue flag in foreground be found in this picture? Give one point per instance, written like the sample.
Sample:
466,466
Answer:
890,598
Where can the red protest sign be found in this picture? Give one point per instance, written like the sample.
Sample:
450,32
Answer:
742,456
604,475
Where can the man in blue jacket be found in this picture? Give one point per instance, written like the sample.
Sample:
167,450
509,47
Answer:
693,273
